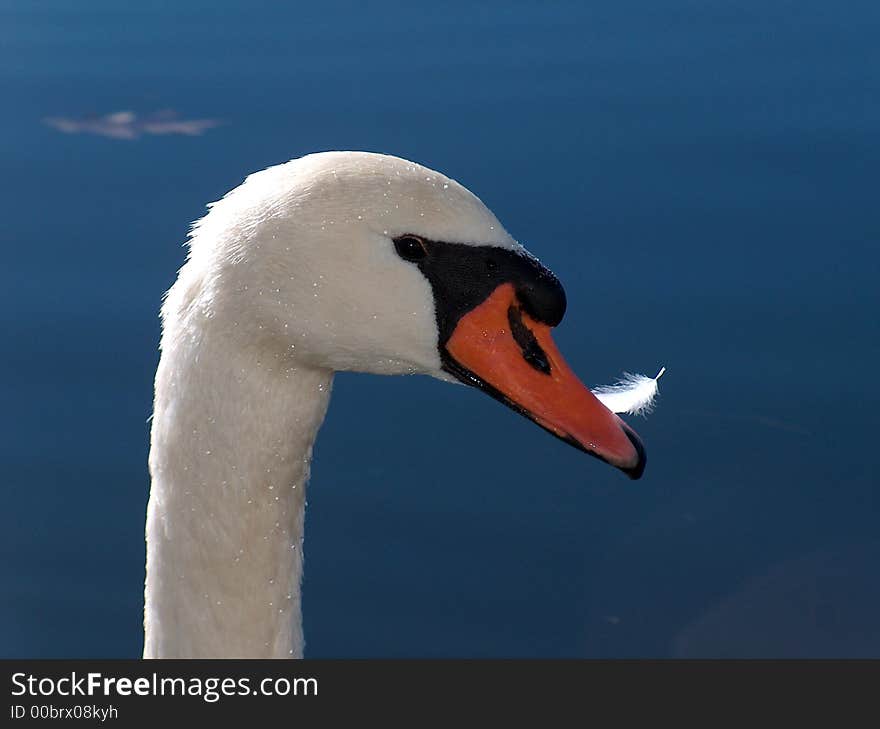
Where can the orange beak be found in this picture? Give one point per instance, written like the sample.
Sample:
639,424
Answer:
501,349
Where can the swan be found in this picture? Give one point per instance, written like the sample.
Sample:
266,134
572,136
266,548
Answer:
333,261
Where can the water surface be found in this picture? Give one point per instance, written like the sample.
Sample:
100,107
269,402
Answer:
701,176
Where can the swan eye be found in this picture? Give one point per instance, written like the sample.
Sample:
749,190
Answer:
410,247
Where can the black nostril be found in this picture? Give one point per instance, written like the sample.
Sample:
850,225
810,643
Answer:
540,293
525,338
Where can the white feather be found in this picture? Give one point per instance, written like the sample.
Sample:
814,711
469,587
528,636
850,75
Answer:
632,394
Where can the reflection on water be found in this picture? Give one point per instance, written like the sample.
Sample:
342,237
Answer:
822,605
128,125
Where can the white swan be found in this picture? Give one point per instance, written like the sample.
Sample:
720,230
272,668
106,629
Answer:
335,261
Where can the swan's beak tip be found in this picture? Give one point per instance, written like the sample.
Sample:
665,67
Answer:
635,472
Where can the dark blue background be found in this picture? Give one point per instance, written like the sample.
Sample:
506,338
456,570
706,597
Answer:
703,177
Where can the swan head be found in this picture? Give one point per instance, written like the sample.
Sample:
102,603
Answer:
368,262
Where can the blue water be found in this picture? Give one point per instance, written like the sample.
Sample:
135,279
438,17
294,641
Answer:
701,175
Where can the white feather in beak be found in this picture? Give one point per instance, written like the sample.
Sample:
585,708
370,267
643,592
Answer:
631,394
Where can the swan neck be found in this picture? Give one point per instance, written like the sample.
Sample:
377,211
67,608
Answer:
231,445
